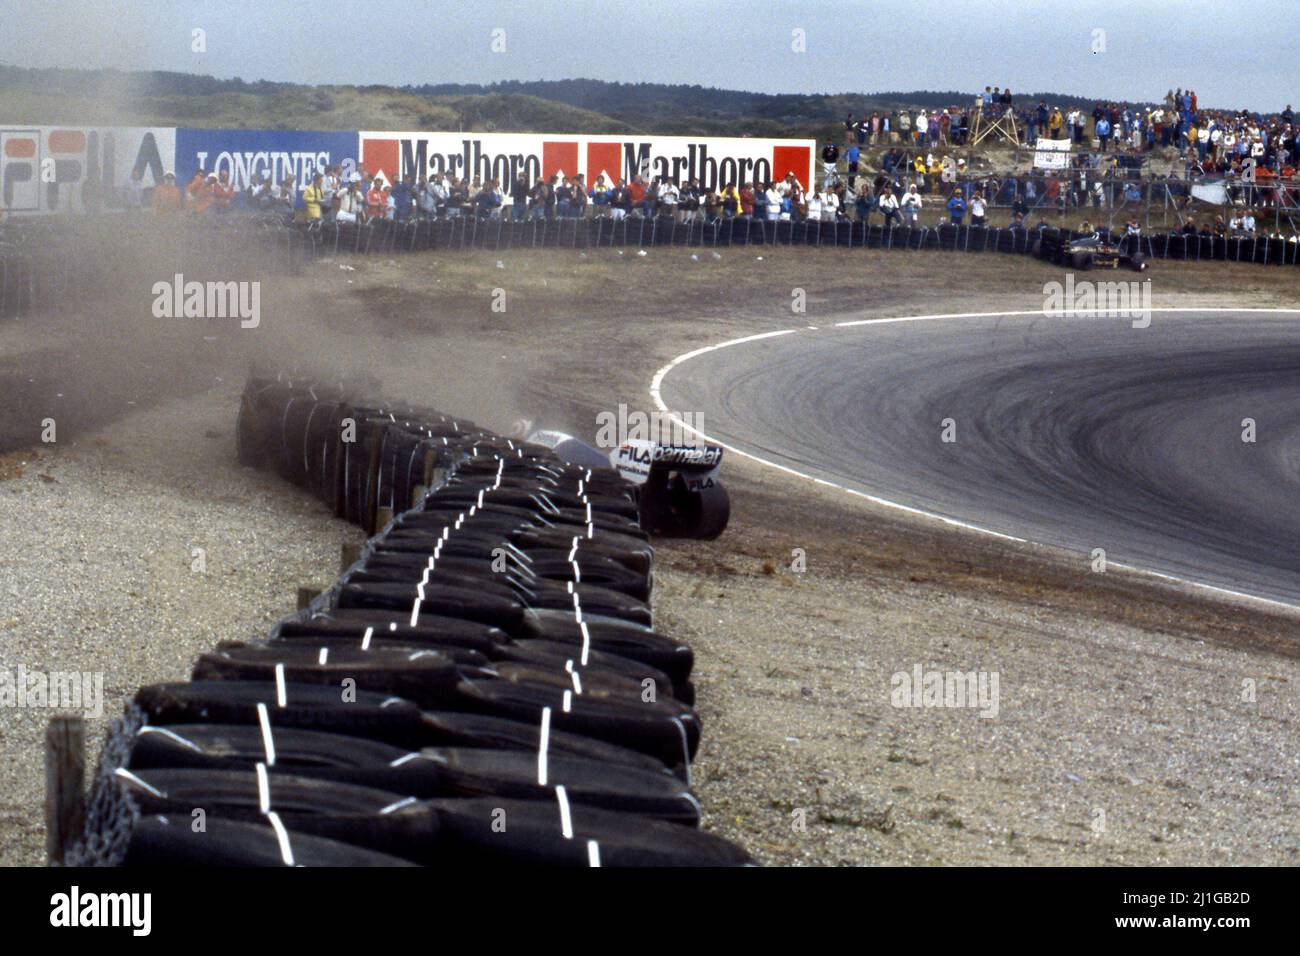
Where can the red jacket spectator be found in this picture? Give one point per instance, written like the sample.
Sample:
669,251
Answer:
376,201
223,193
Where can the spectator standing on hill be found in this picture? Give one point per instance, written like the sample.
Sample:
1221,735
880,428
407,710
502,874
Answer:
814,205
332,183
580,198
403,198
911,206
1055,123
863,202
519,197
889,206
313,196
376,202
1103,131
851,157
977,209
259,192
956,208
747,200
1038,121
669,197
689,200
619,202
636,196
730,201
198,194
133,190
352,204
830,159
830,206
286,194
563,198
774,198
166,197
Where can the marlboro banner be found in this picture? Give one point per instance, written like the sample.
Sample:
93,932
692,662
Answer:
714,161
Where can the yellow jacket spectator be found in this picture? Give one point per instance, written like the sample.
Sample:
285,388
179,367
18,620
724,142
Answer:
313,196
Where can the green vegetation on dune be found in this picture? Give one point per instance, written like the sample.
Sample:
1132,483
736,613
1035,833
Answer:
571,106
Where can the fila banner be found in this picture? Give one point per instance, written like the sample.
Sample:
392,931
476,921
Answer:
45,169
714,161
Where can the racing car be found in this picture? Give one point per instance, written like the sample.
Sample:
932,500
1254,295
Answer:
1098,249
678,491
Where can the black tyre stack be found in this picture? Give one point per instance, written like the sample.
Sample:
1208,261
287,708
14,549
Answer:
482,687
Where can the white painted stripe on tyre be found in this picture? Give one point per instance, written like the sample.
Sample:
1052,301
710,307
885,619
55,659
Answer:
189,744
268,742
394,807
568,700
263,789
543,744
135,781
324,655
656,387
593,853
365,640
686,748
586,642
281,692
281,835
566,821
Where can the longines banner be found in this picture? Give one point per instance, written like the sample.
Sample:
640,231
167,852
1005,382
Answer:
79,169
714,161
271,153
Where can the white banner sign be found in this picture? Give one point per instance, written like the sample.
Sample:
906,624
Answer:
1052,154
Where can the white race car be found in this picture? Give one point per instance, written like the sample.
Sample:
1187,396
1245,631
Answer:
679,493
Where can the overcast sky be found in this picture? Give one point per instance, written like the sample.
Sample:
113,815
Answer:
1233,53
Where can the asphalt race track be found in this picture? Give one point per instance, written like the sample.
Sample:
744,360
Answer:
1077,432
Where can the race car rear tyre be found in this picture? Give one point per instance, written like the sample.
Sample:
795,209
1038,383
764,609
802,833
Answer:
1081,261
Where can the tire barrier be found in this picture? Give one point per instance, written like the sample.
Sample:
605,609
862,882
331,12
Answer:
52,262
465,232
483,686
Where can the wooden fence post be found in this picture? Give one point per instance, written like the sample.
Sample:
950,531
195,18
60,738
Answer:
65,777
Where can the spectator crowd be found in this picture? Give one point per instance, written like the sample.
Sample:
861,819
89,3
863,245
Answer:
914,172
